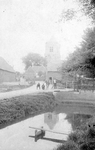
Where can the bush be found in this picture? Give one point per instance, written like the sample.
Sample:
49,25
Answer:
80,140
79,136
69,145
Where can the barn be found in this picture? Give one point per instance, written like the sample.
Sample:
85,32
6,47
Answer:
7,73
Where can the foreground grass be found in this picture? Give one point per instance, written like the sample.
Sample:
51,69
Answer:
15,109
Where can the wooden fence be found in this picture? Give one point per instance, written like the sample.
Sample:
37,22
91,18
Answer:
81,84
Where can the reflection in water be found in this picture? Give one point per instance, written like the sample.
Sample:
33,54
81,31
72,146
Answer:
20,136
17,136
78,121
51,119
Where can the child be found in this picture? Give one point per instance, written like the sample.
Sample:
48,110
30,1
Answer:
43,86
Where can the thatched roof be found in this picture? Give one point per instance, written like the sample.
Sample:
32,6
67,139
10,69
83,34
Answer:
35,69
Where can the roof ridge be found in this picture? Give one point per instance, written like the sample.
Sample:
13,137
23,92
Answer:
5,66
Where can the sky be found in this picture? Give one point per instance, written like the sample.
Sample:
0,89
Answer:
26,25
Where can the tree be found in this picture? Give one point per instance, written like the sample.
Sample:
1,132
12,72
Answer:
86,7
82,60
87,53
33,59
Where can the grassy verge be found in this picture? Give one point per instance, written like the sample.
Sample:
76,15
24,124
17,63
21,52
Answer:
7,88
71,95
19,108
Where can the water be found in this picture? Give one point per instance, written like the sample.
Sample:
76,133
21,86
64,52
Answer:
16,137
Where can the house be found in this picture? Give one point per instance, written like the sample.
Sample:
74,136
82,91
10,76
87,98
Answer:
38,69
35,73
54,75
7,73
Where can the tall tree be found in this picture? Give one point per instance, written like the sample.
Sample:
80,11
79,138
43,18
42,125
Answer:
86,7
33,59
83,59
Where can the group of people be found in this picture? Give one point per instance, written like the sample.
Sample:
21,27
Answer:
46,85
39,86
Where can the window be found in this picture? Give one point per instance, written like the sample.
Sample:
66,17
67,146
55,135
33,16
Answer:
51,49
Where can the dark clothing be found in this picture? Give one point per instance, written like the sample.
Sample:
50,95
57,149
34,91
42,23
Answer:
38,86
43,86
39,134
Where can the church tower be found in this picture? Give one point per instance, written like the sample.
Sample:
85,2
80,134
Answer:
52,55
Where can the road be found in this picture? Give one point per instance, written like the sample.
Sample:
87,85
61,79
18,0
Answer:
85,97
29,90
25,91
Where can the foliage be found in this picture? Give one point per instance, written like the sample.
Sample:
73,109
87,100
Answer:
68,15
80,140
69,145
85,7
79,121
33,59
89,143
82,60
88,7
78,137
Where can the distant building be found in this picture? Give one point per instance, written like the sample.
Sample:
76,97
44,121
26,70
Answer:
7,73
53,58
38,69
34,73
54,75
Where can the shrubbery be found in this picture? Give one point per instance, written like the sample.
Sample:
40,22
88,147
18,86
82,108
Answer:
80,140
69,145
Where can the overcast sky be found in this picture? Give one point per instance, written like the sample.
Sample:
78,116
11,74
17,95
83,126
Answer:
26,25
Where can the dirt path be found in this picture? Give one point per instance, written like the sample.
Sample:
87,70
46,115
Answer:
29,90
25,91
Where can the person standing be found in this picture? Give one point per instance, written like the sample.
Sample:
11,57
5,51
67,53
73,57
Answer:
54,83
38,86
